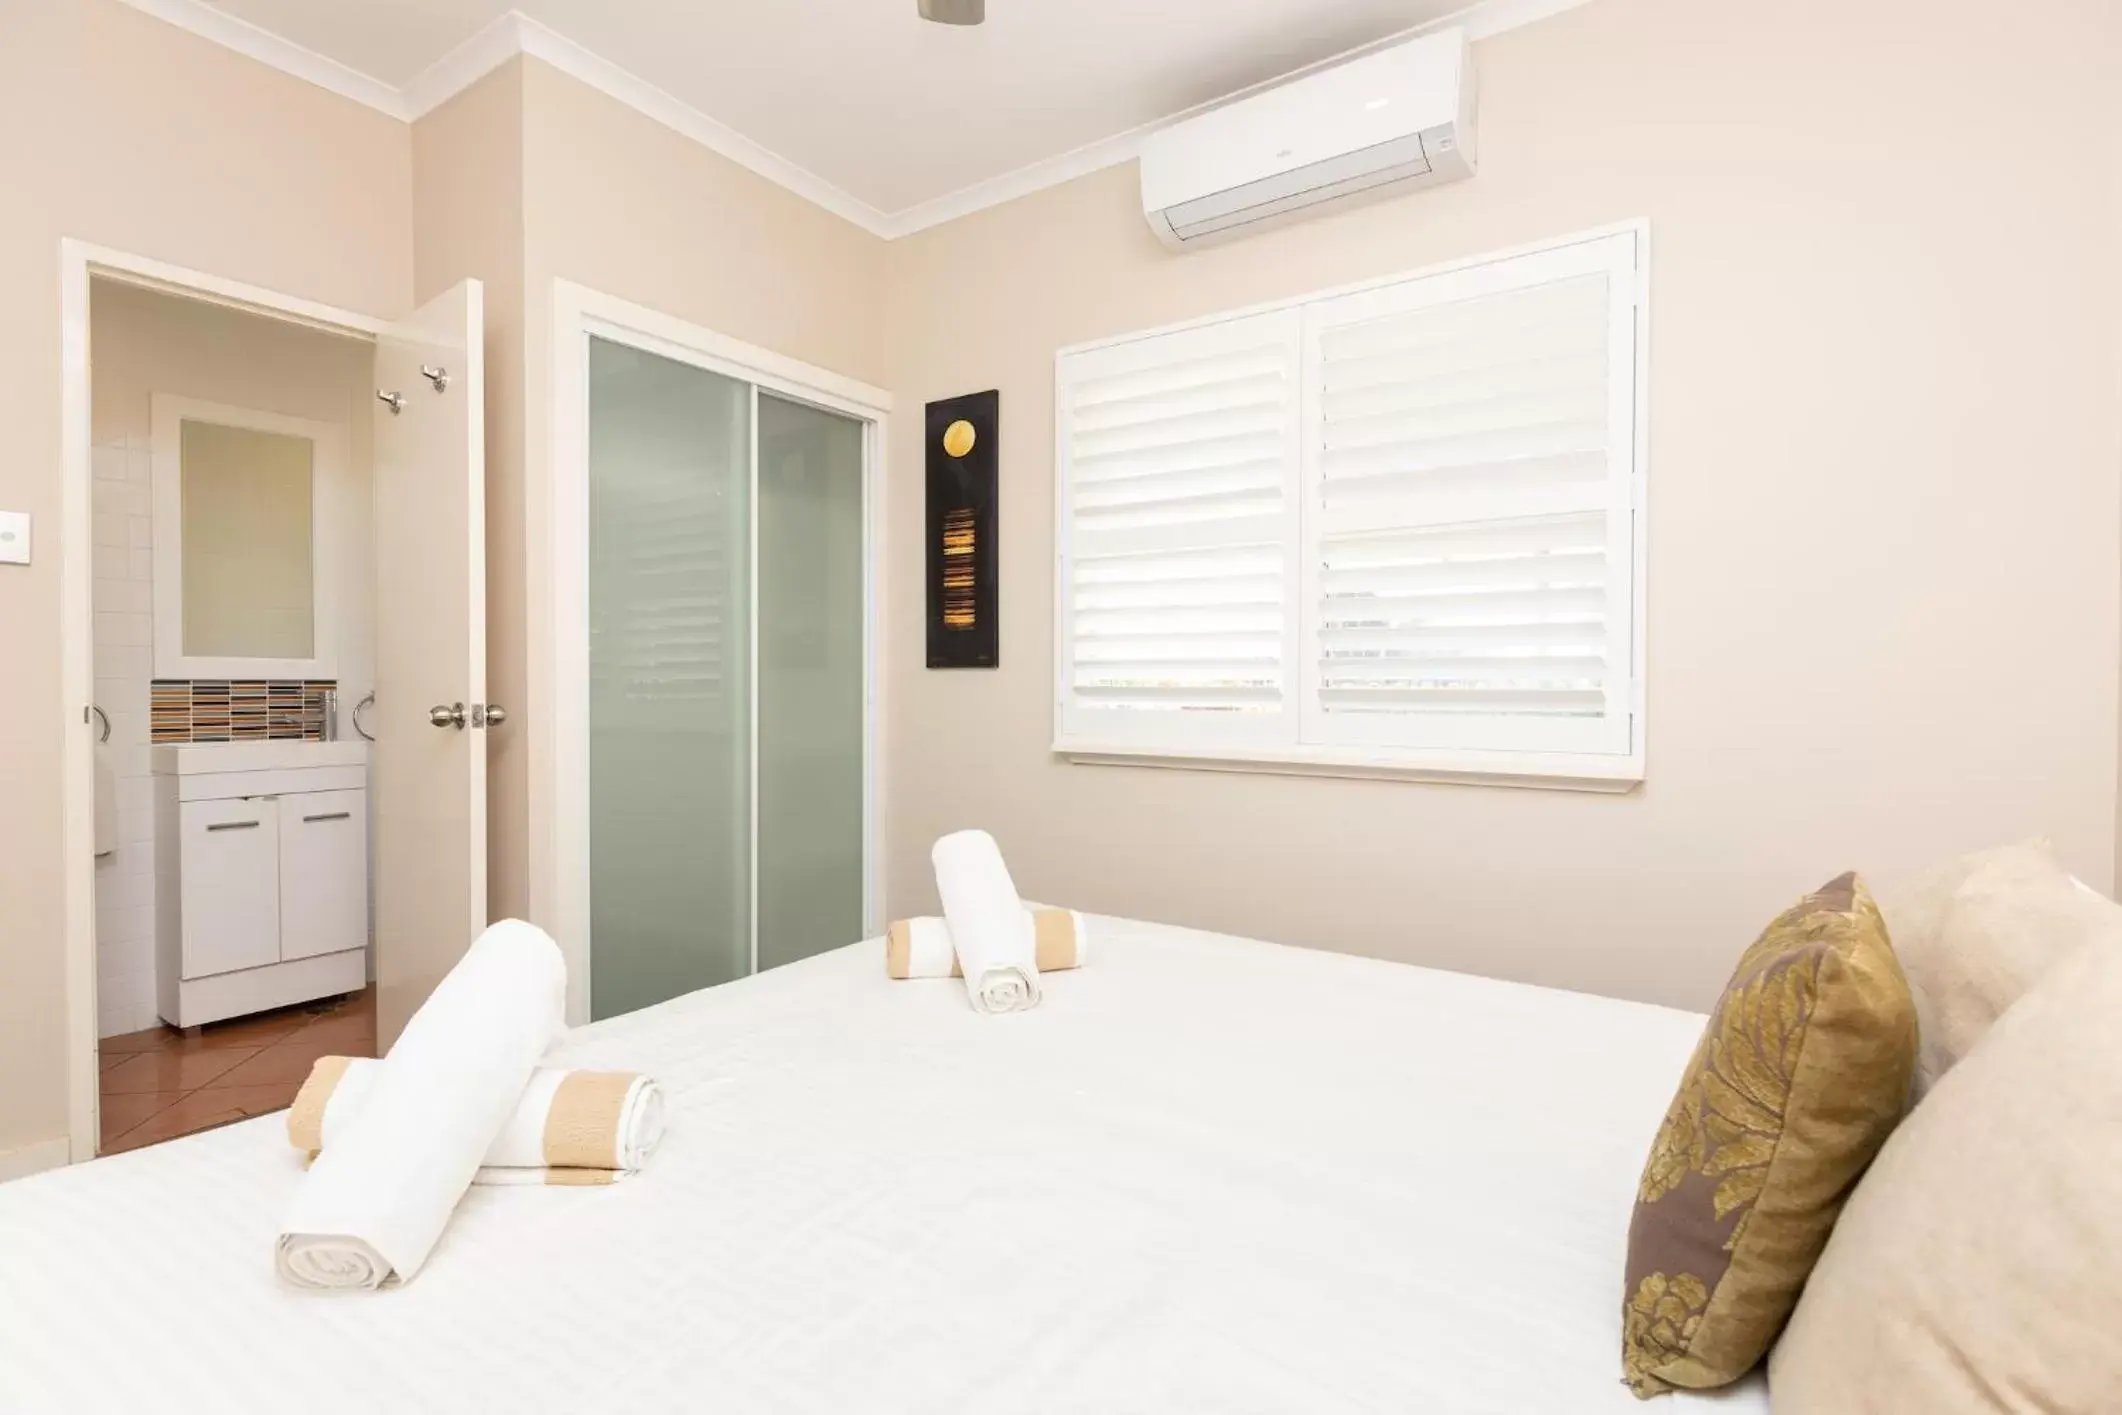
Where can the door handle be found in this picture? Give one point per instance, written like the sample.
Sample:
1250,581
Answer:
233,825
488,714
328,816
451,716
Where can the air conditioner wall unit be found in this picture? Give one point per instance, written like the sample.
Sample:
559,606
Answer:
1381,124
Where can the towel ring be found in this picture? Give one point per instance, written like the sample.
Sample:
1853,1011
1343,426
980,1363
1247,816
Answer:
356,716
103,718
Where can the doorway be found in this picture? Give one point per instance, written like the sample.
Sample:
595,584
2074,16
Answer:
258,925
232,587
709,675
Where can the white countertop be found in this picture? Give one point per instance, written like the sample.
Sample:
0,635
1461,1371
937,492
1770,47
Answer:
193,758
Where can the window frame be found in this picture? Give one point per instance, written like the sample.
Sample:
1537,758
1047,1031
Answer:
1217,746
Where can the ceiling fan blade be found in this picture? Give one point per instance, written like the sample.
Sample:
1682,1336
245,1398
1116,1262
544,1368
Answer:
954,12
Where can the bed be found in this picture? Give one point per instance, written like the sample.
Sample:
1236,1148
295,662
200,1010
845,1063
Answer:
1206,1174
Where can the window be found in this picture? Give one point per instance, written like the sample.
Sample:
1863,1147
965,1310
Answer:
1394,530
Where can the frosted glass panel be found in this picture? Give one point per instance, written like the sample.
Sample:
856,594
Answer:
810,681
669,736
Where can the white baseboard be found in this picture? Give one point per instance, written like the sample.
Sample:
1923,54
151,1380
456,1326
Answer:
32,1159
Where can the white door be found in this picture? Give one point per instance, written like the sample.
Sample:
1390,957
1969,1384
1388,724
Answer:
431,709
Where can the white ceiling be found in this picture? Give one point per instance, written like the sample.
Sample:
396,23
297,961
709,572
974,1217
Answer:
867,100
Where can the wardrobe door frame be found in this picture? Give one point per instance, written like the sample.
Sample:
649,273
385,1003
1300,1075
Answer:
557,597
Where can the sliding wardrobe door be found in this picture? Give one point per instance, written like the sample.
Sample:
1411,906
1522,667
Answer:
812,680
669,678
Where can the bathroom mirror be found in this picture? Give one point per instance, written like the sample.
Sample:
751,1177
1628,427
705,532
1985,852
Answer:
237,578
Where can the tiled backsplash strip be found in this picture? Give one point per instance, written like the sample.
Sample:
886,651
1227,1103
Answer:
208,710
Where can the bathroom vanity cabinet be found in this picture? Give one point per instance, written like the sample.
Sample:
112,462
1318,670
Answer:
261,888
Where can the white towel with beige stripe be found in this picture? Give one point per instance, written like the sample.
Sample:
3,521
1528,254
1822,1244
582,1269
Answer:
923,948
570,1127
996,944
373,1206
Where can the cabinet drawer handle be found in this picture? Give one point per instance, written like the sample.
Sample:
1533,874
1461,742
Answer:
233,825
328,816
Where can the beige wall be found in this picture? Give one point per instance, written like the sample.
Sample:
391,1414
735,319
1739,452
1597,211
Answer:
1884,518
620,203
131,134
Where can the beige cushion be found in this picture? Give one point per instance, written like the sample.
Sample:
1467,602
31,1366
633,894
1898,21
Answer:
1975,934
1976,1268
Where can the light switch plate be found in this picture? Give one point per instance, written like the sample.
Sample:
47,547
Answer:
14,537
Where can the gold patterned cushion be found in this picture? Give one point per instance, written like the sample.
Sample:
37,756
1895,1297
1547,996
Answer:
1799,1077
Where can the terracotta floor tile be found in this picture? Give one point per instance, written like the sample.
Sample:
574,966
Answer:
122,1113
346,1034
261,1030
153,1039
158,1084
201,1110
171,1070
251,1100
285,1062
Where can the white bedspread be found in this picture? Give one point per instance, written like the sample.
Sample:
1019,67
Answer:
1320,1184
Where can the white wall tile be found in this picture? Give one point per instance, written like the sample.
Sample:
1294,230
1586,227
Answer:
107,464
121,498
109,530
132,923
118,967
125,630
123,696
135,828
139,531
130,859
125,1004
136,802
123,596
140,462
142,565
117,889
123,661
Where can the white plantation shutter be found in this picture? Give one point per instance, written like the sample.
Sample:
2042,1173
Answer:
1469,516
1177,474
1390,529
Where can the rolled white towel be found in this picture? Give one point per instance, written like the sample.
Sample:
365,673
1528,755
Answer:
372,1207
569,1127
922,948
996,942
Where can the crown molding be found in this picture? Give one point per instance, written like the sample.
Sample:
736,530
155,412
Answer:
1480,20
515,34
645,98
456,71
267,48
